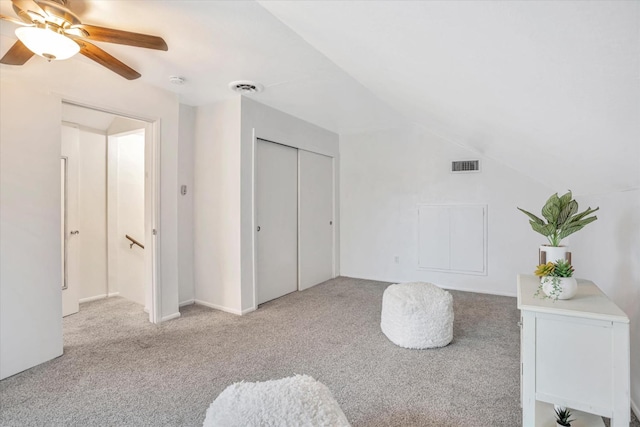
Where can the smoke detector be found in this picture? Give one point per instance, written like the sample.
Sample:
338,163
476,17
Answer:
245,87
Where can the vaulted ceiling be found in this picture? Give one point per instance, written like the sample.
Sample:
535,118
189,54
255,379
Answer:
551,89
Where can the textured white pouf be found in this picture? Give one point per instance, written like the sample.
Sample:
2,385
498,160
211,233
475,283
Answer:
417,315
295,401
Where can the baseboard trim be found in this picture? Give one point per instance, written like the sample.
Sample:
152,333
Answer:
635,408
114,294
187,302
453,288
170,317
475,291
93,298
249,310
222,308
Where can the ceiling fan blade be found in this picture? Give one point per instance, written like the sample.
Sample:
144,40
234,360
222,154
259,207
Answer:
18,54
109,35
14,20
103,58
22,7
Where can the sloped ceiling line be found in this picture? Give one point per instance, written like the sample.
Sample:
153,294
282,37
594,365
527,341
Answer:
547,88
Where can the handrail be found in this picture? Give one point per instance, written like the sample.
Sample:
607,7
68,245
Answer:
133,242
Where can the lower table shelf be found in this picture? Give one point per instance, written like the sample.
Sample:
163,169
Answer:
545,417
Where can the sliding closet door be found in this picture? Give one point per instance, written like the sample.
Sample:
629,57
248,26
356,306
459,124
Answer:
276,196
316,218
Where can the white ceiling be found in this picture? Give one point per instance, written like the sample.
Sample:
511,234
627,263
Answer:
212,43
551,89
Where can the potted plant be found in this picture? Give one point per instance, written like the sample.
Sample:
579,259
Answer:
556,280
562,219
562,417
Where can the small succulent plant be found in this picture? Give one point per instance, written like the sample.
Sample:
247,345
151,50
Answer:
560,268
563,269
562,417
545,269
554,271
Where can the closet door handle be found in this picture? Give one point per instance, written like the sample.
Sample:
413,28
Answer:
258,228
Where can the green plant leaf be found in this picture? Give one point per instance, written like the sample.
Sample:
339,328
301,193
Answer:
551,210
565,199
566,212
544,229
581,215
532,216
576,226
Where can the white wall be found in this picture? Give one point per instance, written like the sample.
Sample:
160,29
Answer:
92,206
30,238
223,204
608,253
130,216
386,174
217,206
30,289
127,269
186,158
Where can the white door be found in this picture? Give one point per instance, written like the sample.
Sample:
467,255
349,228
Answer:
276,187
316,218
69,234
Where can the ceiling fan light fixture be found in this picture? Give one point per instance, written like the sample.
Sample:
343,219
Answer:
47,43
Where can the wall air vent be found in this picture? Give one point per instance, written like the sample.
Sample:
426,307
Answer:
465,166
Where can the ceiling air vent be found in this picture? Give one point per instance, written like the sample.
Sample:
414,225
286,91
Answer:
245,87
465,166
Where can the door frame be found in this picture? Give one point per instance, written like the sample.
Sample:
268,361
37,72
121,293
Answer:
152,194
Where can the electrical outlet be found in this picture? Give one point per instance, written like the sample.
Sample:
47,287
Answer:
397,259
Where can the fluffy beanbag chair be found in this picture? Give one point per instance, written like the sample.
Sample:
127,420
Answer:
417,315
294,401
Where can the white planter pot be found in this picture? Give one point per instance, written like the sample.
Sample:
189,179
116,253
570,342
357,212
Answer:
554,253
568,287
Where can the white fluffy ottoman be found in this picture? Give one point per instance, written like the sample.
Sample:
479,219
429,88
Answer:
417,315
295,401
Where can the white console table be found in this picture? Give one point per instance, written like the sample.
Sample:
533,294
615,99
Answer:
574,353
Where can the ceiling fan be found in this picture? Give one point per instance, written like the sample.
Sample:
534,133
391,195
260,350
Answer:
49,29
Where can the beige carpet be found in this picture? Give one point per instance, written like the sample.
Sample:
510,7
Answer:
119,370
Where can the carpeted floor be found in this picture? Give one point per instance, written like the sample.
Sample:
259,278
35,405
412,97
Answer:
119,370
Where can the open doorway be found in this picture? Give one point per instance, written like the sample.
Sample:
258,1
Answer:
109,209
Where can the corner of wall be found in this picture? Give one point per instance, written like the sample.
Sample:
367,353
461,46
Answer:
186,158
216,205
